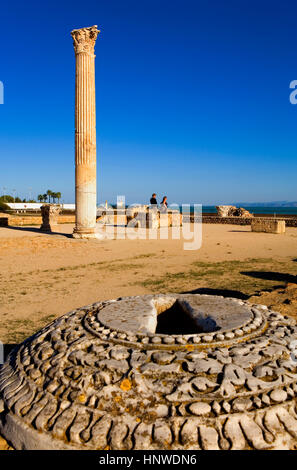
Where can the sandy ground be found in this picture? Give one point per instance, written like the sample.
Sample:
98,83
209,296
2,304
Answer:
46,275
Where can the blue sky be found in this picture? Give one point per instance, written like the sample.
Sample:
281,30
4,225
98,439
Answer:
192,98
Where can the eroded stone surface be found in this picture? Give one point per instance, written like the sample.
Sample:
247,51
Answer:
50,215
138,316
84,383
262,224
233,211
85,132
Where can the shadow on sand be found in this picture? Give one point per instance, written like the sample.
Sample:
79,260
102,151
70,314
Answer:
271,276
240,231
223,292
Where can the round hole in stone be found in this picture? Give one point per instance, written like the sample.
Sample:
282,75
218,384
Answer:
175,318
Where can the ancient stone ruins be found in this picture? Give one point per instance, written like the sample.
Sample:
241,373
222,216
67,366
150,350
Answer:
143,216
50,214
268,225
85,132
155,372
233,211
84,40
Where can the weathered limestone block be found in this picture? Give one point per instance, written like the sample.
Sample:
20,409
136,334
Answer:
153,219
175,218
136,216
141,217
50,215
260,224
241,212
223,211
132,212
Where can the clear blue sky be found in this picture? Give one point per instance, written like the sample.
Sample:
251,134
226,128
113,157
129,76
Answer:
192,98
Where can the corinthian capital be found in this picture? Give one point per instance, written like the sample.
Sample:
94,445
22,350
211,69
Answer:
84,39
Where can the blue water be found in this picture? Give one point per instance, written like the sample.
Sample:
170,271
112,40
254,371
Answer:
252,209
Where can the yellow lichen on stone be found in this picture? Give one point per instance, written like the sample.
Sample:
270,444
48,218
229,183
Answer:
4,444
126,385
82,398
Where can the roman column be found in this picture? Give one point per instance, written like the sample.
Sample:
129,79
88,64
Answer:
85,132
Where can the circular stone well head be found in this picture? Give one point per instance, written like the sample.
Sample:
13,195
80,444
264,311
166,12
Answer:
155,372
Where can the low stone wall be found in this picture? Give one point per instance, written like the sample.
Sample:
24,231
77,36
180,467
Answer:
209,219
225,220
20,220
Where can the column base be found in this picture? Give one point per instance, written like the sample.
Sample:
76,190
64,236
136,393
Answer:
88,233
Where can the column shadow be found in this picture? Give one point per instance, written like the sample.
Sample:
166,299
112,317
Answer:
220,292
37,230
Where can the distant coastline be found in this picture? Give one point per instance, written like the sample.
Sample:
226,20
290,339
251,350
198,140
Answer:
277,204
257,209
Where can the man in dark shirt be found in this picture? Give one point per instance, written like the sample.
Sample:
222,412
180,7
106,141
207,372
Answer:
153,199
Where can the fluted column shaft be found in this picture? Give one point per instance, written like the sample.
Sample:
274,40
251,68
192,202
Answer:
85,133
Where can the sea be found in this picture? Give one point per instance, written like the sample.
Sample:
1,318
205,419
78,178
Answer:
273,210
270,210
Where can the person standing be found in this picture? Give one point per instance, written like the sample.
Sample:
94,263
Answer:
164,205
153,199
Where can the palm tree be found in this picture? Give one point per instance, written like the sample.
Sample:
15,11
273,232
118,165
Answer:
58,196
49,194
44,196
40,197
54,195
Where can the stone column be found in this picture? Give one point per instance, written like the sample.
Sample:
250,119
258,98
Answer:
85,132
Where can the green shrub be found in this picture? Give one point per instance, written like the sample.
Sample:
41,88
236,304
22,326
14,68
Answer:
4,207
